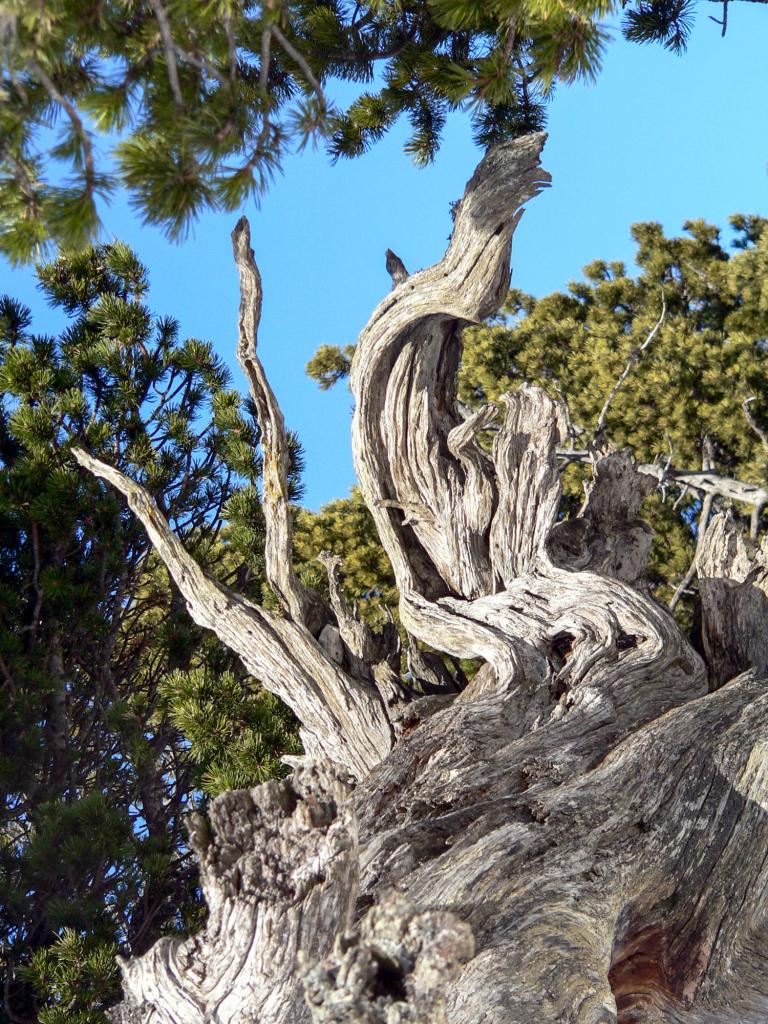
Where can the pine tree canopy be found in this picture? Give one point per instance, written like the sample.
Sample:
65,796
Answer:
116,713
683,398
199,102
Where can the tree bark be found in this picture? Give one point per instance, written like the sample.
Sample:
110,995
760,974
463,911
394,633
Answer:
577,835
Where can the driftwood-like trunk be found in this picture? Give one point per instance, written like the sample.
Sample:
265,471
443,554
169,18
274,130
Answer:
580,834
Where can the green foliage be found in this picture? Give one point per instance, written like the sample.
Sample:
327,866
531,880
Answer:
346,528
330,364
707,358
236,734
668,22
76,978
199,103
96,772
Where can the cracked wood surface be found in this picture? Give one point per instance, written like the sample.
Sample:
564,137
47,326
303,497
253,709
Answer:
299,602
577,836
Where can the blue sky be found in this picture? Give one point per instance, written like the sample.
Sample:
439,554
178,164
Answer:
657,137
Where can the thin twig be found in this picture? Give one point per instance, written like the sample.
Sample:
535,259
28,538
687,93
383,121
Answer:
170,51
761,433
634,357
200,63
722,21
707,463
74,117
266,56
665,470
680,498
299,59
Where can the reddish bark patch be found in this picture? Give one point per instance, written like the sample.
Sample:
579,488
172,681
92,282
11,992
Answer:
646,975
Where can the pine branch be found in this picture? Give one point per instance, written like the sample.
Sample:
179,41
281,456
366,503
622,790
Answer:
74,117
170,51
299,59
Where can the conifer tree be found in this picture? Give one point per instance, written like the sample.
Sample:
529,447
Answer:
116,714
683,397
200,102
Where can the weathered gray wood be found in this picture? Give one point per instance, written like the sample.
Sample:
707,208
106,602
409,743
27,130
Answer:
278,868
701,481
733,584
303,605
581,833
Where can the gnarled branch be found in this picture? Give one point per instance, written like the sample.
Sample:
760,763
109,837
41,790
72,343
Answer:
403,379
302,604
702,481
341,718
473,567
594,816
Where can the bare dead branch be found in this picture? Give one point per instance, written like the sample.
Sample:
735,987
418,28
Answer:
761,433
701,481
298,601
707,464
366,647
341,718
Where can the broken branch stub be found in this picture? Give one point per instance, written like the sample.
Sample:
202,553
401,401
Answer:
278,869
607,536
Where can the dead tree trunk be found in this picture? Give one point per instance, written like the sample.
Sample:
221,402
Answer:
578,835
